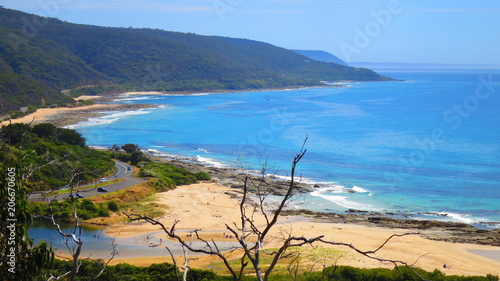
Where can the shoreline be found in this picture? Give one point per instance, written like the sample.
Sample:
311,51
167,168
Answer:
357,220
215,92
235,177
64,116
208,206
73,115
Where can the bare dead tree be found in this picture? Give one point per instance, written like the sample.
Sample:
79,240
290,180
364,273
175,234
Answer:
25,170
73,239
185,266
251,237
174,261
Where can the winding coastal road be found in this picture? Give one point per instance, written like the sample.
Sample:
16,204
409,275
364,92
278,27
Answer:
122,171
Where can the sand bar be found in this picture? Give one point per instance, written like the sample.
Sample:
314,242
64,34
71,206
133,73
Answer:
43,114
63,116
150,93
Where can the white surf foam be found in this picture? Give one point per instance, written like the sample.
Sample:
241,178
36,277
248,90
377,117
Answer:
107,119
163,154
186,95
332,193
458,217
153,151
204,150
359,189
126,98
343,201
211,162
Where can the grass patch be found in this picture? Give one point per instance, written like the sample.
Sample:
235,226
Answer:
134,193
135,199
147,209
304,259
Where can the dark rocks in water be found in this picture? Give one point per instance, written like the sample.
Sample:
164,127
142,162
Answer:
418,224
235,178
356,211
434,230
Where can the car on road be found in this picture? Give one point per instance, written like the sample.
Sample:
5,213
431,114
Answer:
129,168
102,189
77,195
103,180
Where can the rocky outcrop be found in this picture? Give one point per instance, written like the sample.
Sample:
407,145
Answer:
431,229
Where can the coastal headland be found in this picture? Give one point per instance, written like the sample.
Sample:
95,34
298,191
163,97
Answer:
210,205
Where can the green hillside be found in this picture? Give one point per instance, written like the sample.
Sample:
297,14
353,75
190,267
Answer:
40,57
54,156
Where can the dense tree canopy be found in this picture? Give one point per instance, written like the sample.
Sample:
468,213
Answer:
37,66
45,143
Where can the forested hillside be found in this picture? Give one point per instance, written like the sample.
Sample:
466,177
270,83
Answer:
53,156
41,57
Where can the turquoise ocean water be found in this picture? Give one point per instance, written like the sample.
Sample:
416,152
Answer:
428,146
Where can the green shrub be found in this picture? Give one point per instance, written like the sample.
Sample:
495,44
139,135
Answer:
166,271
170,176
45,141
113,206
63,210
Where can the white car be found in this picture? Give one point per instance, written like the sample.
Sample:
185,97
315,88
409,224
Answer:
103,180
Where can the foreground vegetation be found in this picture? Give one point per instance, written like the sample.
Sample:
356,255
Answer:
168,272
53,157
63,210
34,151
135,199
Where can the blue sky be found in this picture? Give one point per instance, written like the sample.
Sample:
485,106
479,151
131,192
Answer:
444,31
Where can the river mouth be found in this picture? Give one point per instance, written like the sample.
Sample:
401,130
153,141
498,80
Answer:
97,244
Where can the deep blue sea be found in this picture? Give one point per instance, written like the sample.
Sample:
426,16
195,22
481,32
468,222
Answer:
428,146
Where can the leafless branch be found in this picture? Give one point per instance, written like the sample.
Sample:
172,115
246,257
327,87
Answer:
108,259
247,228
171,233
293,267
175,263
73,239
75,250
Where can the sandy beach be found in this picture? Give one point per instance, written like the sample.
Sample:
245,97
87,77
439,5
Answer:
209,206
62,116
44,114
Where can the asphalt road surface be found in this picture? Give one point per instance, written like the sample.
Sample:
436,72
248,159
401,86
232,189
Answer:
122,170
